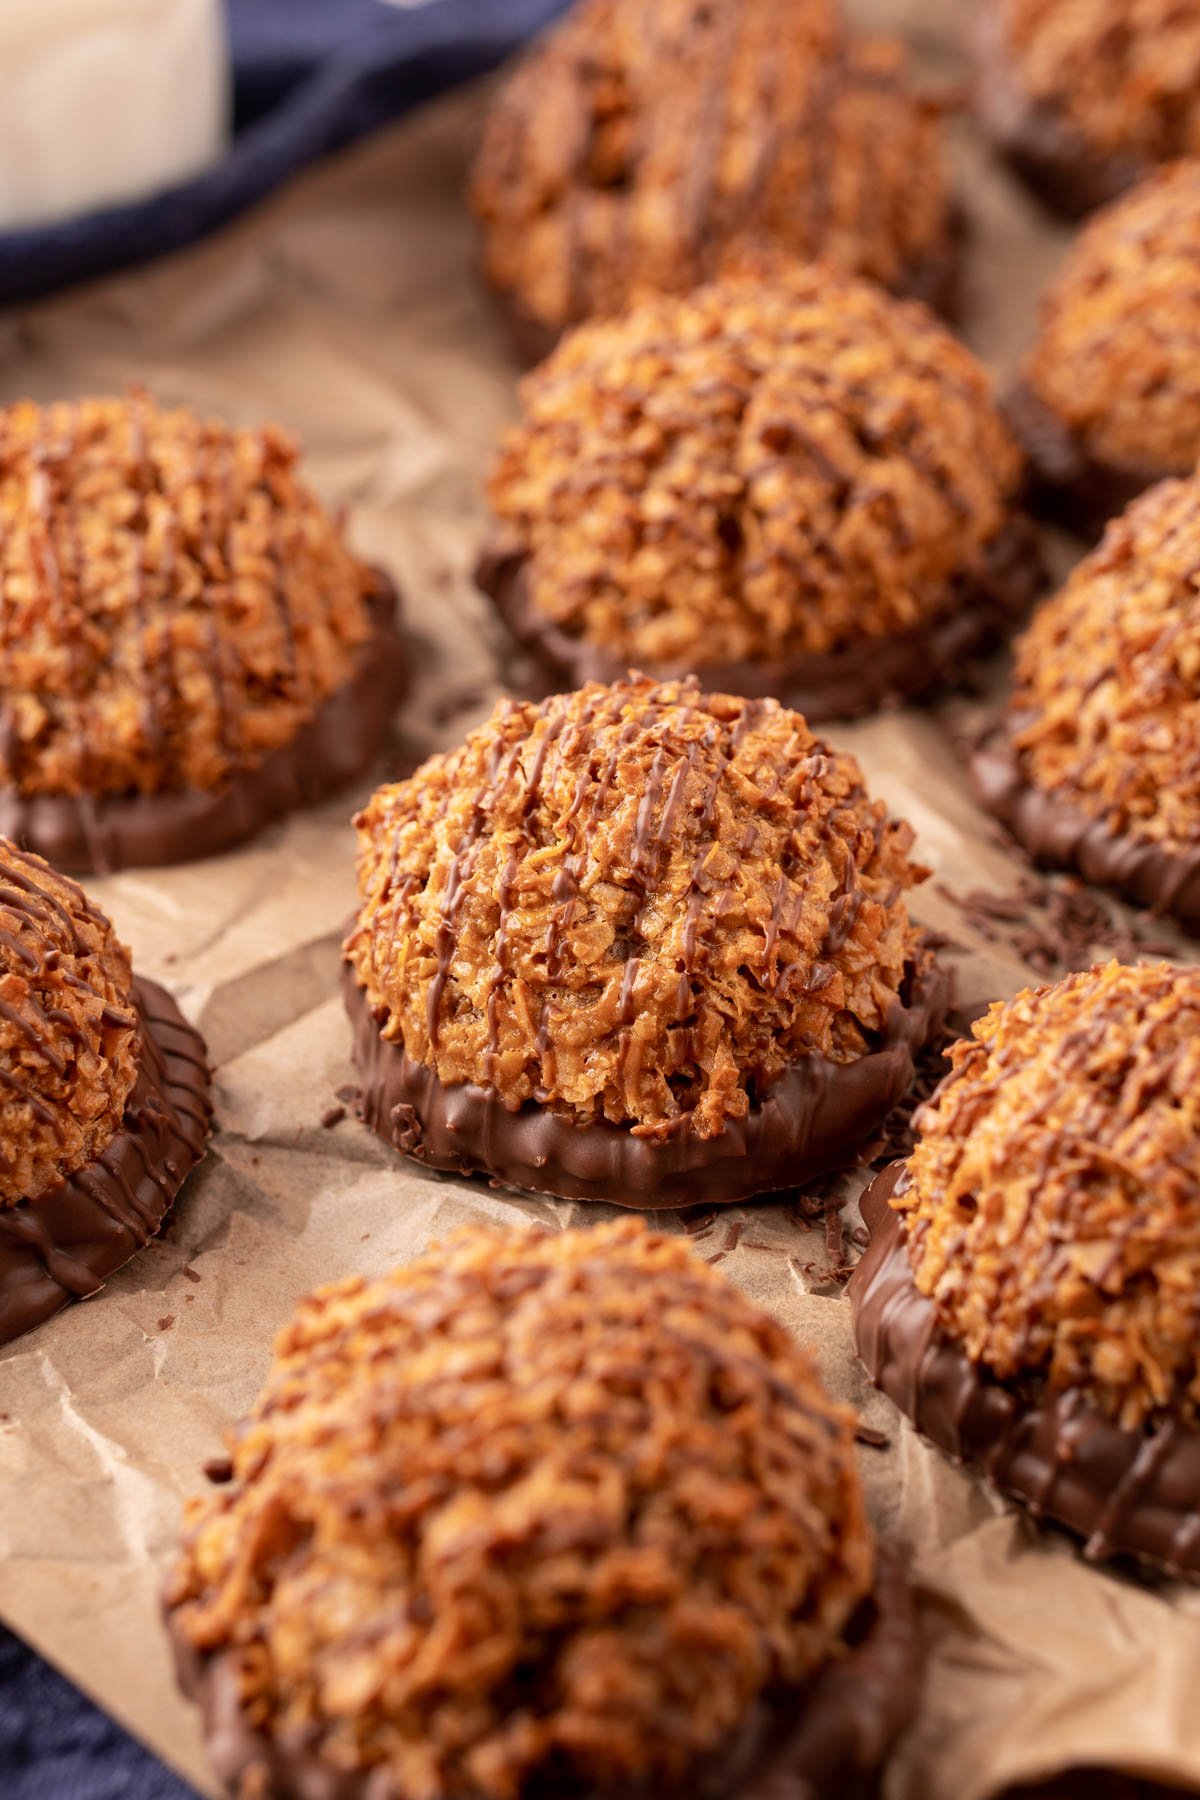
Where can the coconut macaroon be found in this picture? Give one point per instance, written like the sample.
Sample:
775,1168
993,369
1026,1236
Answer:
1096,763
788,482
1029,1296
68,1030
103,1096
1109,396
539,1513
640,147
187,648
1085,99
636,943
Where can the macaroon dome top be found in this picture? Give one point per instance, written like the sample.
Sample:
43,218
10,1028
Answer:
1053,1206
539,1512
640,147
779,464
636,903
1117,354
174,603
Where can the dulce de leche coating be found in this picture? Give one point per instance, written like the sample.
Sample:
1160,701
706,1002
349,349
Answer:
1053,1214
636,903
1105,709
173,602
639,147
68,1031
1117,356
538,1513
775,465
1124,75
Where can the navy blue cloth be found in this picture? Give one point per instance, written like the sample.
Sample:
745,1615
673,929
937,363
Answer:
55,1746
308,77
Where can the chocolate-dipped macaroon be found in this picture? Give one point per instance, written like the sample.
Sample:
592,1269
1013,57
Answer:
187,648
1030,1292
104,1097
640,147
1095,766
542,1515
790,483
1084,99
637,944
1109,396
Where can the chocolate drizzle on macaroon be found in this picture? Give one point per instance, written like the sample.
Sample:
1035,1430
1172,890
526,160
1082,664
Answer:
542,1514
789,483
1029,1296
1108,402
643,148
104,1103
187,649
636,943
1085,100
1095,764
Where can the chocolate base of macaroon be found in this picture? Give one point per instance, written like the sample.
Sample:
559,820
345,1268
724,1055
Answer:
65,1243
814,1118
841,684
1060,835
100,834
826,1741
1062,170
936,282
1066,484
1126,1493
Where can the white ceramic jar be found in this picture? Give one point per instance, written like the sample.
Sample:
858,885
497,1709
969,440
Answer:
104,101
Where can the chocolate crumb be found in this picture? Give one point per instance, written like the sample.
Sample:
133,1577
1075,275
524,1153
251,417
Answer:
165,1323
695,1224
333,1115
191,1274
867,1434
219,1469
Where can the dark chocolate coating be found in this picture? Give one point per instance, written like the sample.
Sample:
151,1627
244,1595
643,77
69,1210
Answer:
842,684
65,1243
815,1117
1126,1493
103,833
1064,171
850,1716
1060,835
1065,482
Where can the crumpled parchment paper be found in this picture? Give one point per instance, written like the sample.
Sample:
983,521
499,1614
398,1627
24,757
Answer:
349,310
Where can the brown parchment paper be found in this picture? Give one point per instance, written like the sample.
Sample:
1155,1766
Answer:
349,310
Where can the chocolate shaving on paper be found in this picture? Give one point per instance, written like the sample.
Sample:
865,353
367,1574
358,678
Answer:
1055,926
